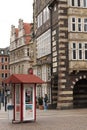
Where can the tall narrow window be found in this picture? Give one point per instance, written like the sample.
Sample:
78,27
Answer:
2,75
2,59
85,24
74,50
79,25
45,14
73,24
39,19
27,51
78,4
86,51
73,2
85,3
80,51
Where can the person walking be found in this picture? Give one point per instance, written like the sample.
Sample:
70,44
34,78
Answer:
45,102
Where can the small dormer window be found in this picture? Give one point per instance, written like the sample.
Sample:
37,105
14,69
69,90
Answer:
2,52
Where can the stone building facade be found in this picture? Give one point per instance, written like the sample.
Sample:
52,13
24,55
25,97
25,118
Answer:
21,48
68,49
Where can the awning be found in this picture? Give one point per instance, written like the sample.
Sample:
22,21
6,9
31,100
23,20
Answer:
23,78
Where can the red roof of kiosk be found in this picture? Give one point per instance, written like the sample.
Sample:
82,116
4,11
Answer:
23,78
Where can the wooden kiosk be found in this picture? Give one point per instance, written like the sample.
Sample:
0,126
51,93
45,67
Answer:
24,96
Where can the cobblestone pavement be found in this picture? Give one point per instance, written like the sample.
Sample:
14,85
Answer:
49,120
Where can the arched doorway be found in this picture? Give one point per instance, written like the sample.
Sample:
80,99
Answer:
80,94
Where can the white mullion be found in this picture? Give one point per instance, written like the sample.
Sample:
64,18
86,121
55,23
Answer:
76,50
82,51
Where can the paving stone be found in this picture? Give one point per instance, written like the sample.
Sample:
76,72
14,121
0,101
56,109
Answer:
75,119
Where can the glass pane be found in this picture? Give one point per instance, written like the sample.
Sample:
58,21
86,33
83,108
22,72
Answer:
85,45
79,27
85,54
74,45
73,19
85,3
78,2
17,95
73,3
29,95
73,27
74,54
85,27
80,54
85,20
80,45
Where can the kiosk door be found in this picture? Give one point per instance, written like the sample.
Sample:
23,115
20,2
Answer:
28,102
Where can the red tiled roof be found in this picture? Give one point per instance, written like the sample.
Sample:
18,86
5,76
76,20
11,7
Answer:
24,78
27,28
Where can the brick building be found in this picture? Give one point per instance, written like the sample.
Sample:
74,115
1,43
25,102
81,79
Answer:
4,69
65,29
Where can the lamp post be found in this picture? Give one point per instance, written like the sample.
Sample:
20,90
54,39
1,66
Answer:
5,98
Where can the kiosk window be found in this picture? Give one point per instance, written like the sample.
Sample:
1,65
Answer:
17,95
29,95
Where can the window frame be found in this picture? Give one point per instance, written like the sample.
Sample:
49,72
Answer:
73,24
85,25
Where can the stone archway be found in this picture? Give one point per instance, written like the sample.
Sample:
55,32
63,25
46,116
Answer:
80,94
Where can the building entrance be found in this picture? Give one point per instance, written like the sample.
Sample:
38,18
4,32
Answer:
80,94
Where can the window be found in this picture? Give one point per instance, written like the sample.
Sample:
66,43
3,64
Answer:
27,51
39,91
39,72
5,75
85,47
43,17
44,44
73,24
2,59
80,51
85,3
6,67
2,75
85,24
2,67
2,51
19,69
6,59
78,3
79,25
74,51
39,19
73,2
49,72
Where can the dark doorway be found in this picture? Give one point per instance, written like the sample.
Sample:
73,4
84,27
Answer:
80,94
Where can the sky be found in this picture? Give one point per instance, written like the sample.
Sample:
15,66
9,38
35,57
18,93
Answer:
10,13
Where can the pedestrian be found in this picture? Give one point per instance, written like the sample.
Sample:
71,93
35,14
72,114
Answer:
45,102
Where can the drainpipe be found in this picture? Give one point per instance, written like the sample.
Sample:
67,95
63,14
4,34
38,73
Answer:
50,8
